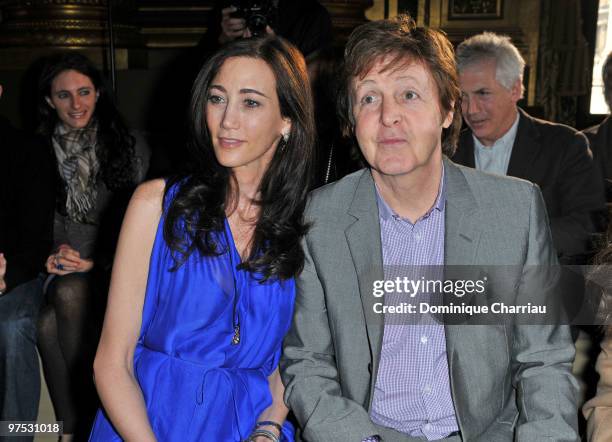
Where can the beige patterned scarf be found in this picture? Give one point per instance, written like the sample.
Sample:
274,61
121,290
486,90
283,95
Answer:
75,150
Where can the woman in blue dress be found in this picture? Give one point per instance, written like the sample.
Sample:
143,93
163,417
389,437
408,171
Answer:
202,288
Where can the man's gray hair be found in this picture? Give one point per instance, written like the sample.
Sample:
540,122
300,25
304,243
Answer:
606,75
509,63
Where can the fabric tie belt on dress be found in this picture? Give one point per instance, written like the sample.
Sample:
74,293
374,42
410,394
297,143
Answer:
226,400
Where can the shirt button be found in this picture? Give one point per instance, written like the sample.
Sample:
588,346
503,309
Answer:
417,236
423,339
427,427
427,389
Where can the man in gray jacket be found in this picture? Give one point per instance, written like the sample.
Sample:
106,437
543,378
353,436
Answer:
352,371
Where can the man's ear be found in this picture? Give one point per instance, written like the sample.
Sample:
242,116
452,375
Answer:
49,102
1,90
448,120
517,90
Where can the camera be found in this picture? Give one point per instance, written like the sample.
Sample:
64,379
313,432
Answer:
257,14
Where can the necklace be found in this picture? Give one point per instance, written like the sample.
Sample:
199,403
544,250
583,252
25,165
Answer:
235,315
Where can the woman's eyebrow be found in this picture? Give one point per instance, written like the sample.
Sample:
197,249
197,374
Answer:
252,91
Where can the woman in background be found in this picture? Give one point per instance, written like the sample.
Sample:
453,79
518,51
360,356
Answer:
98,164
203,283
598,410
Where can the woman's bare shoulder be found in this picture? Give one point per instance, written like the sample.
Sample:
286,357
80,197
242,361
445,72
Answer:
150,193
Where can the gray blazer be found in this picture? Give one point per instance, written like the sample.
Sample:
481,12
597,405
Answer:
508,382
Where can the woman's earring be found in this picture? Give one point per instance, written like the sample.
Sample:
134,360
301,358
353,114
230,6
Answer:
284,140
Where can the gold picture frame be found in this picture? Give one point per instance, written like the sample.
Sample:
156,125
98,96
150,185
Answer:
475,9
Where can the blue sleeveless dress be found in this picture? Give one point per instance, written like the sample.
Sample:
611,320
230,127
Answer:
197,384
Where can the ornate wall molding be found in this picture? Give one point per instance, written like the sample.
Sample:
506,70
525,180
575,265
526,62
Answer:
166,23
35,27
172,24
519,20
346,15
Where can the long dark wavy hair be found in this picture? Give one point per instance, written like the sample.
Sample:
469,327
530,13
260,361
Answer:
115,149
199,206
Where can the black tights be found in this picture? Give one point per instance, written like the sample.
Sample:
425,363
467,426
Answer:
67,338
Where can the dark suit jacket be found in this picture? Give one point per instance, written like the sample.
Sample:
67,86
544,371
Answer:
27,199
556,158
600,139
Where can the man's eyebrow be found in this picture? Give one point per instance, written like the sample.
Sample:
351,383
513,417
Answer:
406,77
475,91
361,83
402,77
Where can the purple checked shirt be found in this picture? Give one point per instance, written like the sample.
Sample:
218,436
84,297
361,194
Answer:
412,392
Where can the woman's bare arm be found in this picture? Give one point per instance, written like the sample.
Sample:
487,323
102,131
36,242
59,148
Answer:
114,364
277,412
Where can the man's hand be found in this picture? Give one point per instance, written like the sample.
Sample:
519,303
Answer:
231,28
67,260
2,272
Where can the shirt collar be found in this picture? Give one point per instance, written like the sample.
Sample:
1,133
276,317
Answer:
506,140
385,212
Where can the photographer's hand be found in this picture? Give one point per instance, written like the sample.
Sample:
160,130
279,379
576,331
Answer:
231,28
247,32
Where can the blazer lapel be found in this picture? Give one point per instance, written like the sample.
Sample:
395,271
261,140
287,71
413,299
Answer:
462,230
524,149
603,138
363,237
461,240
